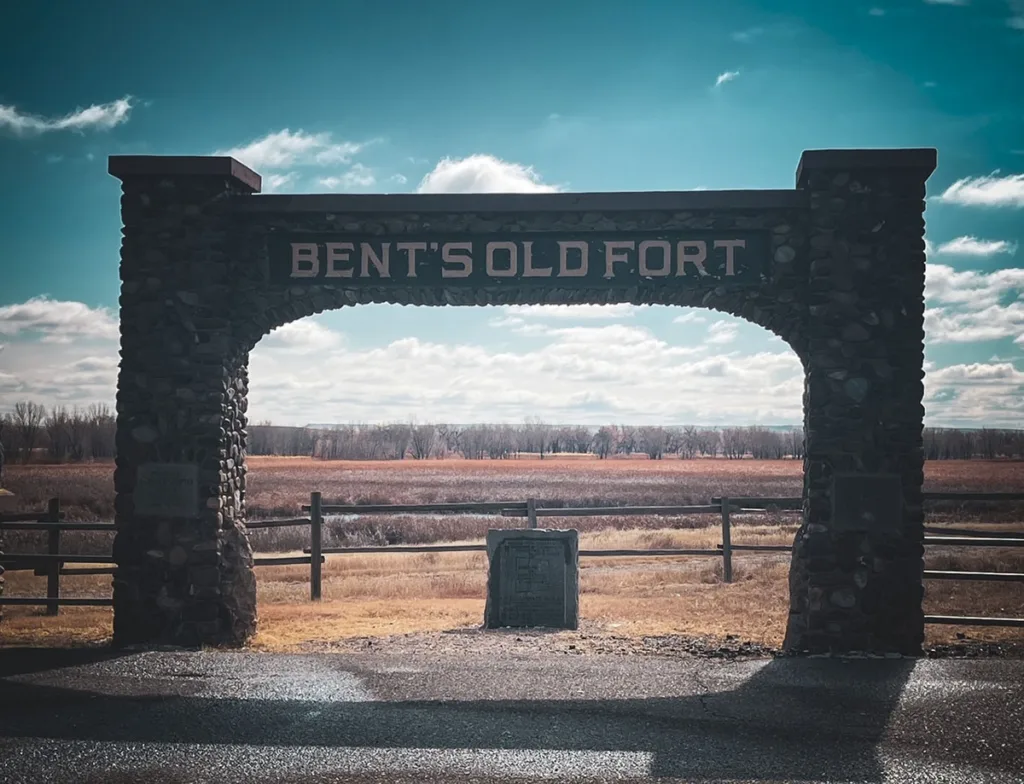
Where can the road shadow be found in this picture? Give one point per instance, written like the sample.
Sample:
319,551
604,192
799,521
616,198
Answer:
27,660
792,719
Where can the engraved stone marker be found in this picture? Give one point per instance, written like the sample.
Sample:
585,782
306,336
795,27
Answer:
533,579
867,502
167,490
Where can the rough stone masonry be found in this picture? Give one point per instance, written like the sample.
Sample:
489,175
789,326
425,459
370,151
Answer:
835,267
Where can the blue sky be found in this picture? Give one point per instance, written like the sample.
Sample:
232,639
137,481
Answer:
471,96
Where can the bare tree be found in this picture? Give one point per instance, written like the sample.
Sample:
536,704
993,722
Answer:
424,439
626,443
538,435
652,441
603,442
58,433
28,418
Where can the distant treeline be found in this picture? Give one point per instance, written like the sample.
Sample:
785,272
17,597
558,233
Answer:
31,432
58,435
398,441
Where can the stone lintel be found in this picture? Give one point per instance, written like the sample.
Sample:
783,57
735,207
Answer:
489,203
921,159
125,167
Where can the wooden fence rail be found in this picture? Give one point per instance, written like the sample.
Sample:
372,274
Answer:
52,563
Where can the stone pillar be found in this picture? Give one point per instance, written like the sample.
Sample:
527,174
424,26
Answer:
184,566
855,580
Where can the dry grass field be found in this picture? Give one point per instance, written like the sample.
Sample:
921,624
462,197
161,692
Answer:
389,594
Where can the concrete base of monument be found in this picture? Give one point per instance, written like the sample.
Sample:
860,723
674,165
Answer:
533,578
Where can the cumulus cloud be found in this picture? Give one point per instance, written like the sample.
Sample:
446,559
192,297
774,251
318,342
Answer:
303,336
588,312
994,322
690,317
358,176
986,191
483,174
748,35
588,374
972,246
279,183
587,371
722,331
975,394
1016,18
98,117
972,306
56,320
284,149
945,285
726,76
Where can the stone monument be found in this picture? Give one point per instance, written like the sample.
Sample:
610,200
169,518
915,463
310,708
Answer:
533,578
834,266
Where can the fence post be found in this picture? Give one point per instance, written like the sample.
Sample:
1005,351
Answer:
53,567
726,543
316,547
531,513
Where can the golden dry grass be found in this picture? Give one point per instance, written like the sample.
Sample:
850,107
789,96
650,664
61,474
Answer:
382,594
368,595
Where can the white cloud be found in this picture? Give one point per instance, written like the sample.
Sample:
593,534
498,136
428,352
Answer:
748,35
284,149
944,285
975,394
992,323
588,312
973,306
690,317
483,174
401,179
986,191
277,183
303,336
358,176
876,11
972,246
56,320
726,76
1016,21
722,331
588,372
100,117
946,2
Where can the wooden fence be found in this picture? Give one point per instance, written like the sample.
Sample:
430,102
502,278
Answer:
52,563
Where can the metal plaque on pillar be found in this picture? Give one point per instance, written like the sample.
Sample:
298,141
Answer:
167,490
867,502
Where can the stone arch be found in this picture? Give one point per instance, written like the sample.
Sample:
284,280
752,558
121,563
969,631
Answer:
835,267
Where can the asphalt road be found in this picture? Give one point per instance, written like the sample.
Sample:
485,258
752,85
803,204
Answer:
81,716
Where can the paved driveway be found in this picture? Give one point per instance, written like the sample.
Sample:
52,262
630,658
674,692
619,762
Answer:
84,716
